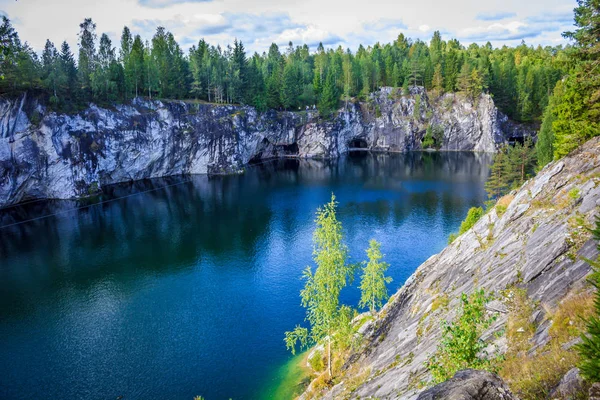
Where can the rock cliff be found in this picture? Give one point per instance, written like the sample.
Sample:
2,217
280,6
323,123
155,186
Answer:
538,244
49,155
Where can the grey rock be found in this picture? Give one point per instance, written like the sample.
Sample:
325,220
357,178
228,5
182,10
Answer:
570,386
70,156
528,248
470,384
594,392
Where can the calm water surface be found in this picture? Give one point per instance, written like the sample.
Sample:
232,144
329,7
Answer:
185,286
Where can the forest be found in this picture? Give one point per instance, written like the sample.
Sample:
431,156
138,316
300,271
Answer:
521,79
556,88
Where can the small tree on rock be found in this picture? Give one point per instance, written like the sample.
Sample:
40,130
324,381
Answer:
321,293
373,281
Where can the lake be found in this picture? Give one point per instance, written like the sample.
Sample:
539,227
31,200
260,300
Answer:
184,286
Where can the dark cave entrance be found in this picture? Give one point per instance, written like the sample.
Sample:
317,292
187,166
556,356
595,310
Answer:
358,144
290,150
513,140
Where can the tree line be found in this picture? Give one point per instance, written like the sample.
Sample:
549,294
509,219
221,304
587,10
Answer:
573,113
521,79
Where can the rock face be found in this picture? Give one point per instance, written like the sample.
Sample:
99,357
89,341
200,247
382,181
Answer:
537,244
49,155
470,384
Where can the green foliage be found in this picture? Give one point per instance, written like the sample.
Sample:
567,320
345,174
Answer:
512,165
574,194
316,361
519,78
321,292
428,142
474,215
373,281
434,137
544,146
577,97
461,345
417,109
452,237
589,349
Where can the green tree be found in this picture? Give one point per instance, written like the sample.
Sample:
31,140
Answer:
51,68
474,215
522,159
498,181
461,345
321,293
329,97
87,55
438,80
589,348
68,75
428,142
545,139
373,281
577,108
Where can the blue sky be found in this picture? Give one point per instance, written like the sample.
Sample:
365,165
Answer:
333,22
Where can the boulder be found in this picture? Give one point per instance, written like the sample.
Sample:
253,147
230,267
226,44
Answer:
470,384
570,386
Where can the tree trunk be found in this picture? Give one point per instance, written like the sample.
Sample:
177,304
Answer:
329,355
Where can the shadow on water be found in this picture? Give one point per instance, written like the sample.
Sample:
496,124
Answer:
183,286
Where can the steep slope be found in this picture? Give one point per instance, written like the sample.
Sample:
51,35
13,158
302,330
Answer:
49,155
537,244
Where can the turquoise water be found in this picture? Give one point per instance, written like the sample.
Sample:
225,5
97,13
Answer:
178,287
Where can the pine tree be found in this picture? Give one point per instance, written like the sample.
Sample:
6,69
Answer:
329,98
577,107
51,69
497,183
68,74
589,349
438,80
124,56
87,55
134,67
522,159
545,139
373,280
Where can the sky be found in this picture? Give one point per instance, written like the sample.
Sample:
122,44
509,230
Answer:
258,23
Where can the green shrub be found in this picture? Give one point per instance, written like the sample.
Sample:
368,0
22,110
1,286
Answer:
474,214
417,110
574,194
316,361
461,345
589,349
452,237
428,141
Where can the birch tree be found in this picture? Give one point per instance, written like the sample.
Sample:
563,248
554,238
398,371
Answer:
373,281
321,293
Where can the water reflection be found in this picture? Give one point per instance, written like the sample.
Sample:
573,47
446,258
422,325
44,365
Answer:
181,286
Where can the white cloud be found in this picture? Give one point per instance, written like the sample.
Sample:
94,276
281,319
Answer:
259,23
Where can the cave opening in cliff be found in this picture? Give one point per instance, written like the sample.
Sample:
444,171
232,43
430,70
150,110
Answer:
513,140
358,144
290,150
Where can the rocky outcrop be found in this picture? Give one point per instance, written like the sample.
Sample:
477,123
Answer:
539,244
49,155
470,384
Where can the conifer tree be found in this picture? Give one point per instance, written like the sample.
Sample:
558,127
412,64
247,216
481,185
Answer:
438,80
589,349
87,55
498,183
